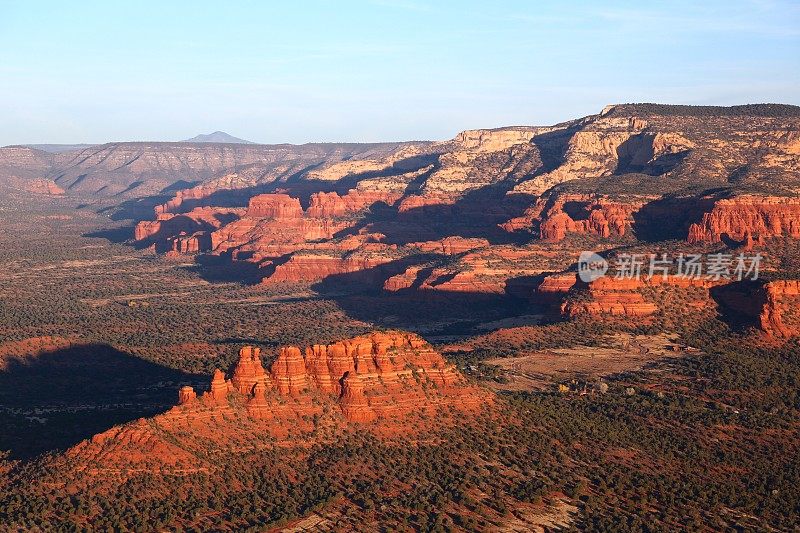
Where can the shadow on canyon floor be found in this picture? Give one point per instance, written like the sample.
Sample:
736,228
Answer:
222,269
740,304
475,215
53,400
669,218
116,235
428,312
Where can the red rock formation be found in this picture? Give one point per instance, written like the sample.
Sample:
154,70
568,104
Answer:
747,217
403,280
218,392
227,183
249,371
597,165
603,218
557,283
780,297
622,296
289,372
276,206
354,402
330,204
486,269
445,280
275,226
386,383
186,395
555,287
148,228
428,203
612,296
302,267
37,186
188,232
199,241
597,216
451,245
271,219
381,376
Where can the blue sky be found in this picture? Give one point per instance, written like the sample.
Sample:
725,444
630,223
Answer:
374,70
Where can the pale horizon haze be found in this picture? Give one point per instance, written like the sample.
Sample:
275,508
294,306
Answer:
380,70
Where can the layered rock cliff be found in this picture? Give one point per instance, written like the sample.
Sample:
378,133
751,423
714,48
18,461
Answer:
380,382
780,316
562,214
383,376
613,297
625,297
633,172
276,224
748,217
185,233
24,169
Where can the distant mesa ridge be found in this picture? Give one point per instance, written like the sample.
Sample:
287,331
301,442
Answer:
600,174
746,110
217,137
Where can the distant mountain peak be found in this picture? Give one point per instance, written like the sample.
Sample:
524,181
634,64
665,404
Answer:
217,137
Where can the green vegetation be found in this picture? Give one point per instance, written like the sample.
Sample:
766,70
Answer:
708,441
748,110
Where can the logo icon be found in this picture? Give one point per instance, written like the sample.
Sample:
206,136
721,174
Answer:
591,266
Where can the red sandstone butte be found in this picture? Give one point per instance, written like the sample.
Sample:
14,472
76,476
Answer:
596,215
187,232
745,217
387,383
781,296
612,296
275,225
380,376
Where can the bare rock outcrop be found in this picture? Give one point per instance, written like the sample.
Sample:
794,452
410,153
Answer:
595,150
562,214
779,315
381,376
614,297
633,172
387,383
748,217
185,233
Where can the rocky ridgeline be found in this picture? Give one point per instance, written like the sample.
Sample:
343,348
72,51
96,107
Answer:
498,206
772,304
385,383
748,217
290,243
139,169
781,298
382,376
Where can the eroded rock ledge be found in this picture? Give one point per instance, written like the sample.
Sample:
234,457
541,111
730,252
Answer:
379,376
387,383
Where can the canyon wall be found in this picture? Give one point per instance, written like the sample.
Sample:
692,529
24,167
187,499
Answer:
748,217
780,315
633,173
